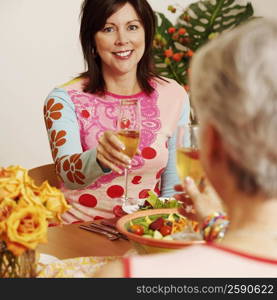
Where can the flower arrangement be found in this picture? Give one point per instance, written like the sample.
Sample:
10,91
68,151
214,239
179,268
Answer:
25,211
174,45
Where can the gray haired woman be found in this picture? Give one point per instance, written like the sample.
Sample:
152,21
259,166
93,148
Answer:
234,90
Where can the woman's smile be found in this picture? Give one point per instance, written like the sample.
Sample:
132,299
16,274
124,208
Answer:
123,54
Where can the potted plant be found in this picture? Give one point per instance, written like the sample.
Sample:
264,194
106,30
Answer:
201,21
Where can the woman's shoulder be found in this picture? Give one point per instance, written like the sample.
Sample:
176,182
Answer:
169,84
74,84
61,92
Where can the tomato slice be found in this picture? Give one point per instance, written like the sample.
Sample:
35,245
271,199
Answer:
165,230
136,229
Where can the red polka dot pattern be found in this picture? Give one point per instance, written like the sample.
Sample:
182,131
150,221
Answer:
144,193
85,114
148,153
88,200
98,218
159,174
118,211
157,189
115,191
137,180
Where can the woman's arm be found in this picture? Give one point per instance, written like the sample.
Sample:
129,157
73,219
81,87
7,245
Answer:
170,177
77,169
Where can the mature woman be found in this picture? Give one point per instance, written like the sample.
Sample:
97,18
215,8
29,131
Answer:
237,107
81,115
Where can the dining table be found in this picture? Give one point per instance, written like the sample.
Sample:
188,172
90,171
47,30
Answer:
70,241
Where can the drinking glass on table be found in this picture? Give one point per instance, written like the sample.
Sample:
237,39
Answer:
128,131
187,153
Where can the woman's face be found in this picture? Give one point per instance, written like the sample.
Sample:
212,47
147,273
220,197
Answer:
121,43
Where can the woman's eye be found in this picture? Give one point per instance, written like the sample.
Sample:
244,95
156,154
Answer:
108,29
133,27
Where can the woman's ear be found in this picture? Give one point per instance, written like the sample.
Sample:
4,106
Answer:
212,149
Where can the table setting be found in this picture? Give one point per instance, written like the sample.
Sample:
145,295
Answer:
32,247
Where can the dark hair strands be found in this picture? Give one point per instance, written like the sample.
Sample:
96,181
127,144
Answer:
94,14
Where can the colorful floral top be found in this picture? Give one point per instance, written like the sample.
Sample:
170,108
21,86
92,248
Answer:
75,120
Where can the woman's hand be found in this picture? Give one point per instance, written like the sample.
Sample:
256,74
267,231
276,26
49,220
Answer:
109,152
202,203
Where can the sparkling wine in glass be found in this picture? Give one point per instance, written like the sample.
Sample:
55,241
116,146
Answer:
187,153
128,131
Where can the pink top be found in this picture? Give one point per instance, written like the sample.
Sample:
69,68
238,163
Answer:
90,190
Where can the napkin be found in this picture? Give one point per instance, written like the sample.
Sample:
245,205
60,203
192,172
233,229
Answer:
80,267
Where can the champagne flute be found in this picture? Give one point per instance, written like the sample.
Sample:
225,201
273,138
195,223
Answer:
128,131
187,153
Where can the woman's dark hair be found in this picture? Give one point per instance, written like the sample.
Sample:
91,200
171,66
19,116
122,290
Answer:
94,14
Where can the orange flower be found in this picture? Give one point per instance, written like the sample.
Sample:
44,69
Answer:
72,166
171,30
177,56
52,112
168,52
182,31
190,53
57,140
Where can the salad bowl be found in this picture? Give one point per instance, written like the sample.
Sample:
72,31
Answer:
159,230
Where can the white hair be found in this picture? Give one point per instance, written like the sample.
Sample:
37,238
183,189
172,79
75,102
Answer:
234,86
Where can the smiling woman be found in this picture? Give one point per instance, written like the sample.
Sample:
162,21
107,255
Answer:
120,44
81,116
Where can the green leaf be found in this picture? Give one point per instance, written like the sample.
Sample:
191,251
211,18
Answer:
152,198
217,15
202,20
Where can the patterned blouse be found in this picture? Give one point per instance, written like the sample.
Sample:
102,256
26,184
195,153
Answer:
75,120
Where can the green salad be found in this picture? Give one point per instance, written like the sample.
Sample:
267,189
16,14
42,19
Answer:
153,201
160,226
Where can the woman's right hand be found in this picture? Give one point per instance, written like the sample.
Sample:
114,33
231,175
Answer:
204,203
109,152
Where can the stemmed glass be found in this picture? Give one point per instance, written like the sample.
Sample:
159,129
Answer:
187,153
128,131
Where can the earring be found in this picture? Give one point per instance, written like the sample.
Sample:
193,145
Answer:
94,54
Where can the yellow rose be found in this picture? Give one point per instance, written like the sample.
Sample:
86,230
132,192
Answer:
7,206
30,196
27,227
11,181
54,202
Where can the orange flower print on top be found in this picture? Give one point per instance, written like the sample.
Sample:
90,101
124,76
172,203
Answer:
72,167
56,140
51,111
58,165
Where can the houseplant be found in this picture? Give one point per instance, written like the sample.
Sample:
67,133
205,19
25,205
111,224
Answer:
201,21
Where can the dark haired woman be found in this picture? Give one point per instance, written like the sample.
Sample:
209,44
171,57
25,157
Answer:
80,116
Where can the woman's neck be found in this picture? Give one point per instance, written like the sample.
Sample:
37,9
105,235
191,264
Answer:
126,84
253,226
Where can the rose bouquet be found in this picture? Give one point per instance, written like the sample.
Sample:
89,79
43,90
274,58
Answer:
25,212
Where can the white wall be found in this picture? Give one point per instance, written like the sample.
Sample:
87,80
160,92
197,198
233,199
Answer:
39,49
